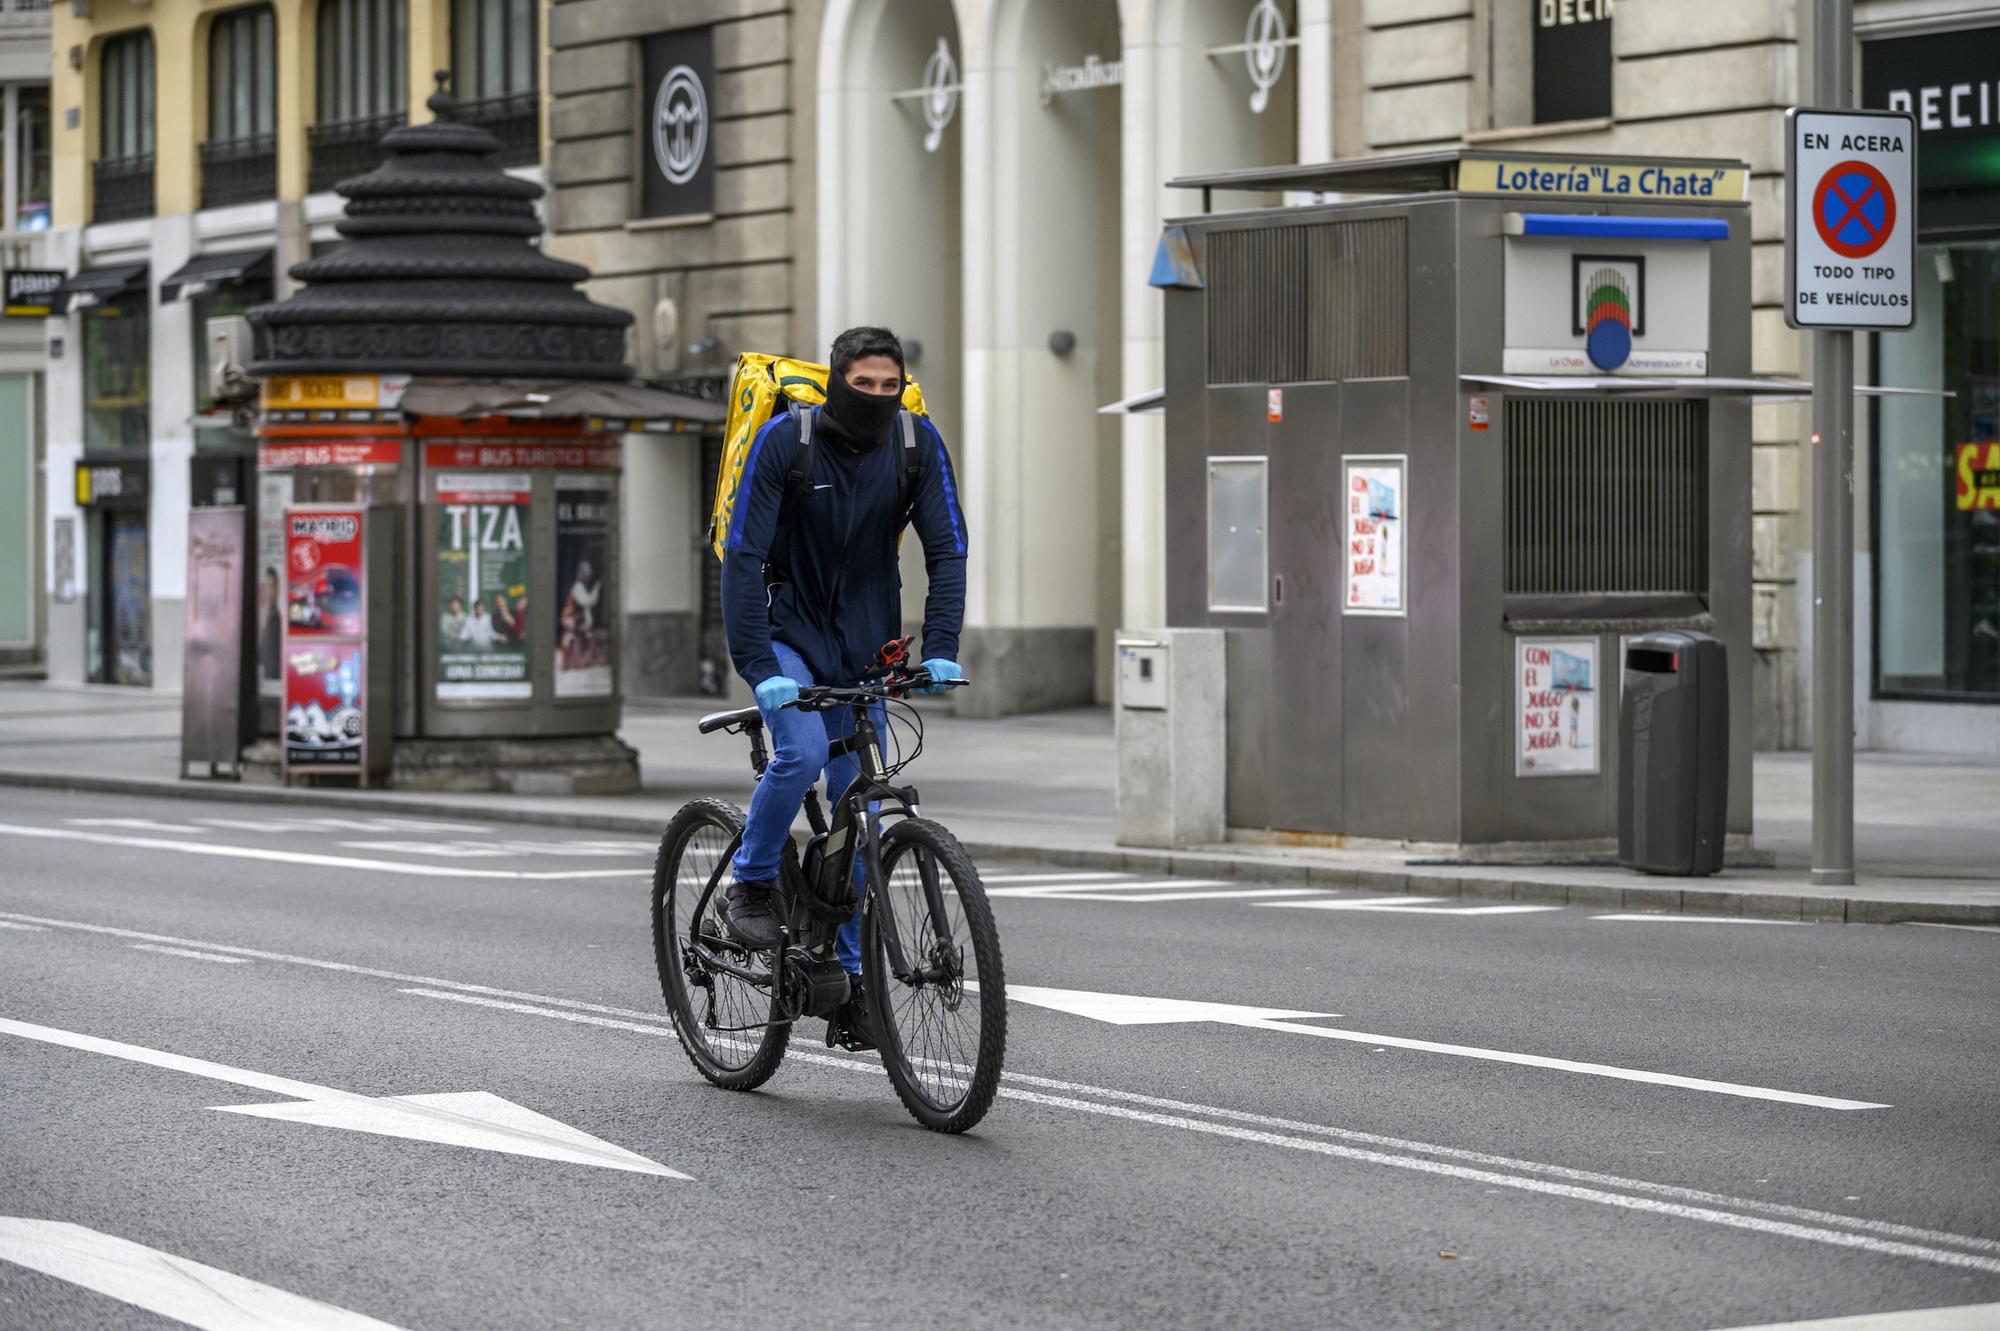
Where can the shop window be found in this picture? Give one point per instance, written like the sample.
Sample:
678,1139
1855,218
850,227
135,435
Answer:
496,75
1549,62
31,160
122,176
117,357
239,163
1937,485
363,86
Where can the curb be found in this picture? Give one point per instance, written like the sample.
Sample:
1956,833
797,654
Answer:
1412,879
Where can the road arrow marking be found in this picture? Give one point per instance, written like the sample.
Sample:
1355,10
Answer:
174,1287
1130,1010
473,1119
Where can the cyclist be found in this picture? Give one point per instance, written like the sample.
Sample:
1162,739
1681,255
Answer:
810,590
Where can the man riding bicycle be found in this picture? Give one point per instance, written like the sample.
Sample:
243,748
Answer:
811,588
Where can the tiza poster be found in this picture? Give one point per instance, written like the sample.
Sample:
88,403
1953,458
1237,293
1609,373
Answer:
1556,683
1374,529
584,603
482,582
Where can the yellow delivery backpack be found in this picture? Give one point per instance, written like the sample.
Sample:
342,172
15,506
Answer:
762,387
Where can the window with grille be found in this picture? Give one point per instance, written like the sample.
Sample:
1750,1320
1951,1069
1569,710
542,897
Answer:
495,45
242,75
1606,498
122,176
1315,301
362,90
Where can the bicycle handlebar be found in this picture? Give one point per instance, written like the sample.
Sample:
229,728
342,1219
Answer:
820,694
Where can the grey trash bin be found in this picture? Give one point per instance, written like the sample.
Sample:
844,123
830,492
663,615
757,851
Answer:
1673,732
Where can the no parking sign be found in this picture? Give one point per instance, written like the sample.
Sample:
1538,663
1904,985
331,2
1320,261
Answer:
1851,224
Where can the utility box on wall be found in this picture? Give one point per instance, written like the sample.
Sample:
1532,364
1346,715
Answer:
1450,441
1170,718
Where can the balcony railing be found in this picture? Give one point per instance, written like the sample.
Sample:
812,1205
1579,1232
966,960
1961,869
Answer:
17,12
346,148
122,188
515,120
239,170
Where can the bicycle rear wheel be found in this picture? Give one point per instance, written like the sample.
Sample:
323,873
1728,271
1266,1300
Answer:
717,993
931,961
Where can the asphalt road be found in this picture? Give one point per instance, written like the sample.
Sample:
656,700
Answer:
1423,1165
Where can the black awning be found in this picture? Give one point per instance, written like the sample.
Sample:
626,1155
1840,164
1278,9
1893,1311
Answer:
94,286
214,270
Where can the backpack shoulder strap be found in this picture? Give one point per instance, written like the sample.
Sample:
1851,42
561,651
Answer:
799,479
913,463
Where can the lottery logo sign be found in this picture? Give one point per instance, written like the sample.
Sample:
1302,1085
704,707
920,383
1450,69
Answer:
1850,226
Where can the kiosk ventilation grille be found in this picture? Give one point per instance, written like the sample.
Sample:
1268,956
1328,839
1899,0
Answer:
1606,498
1292,304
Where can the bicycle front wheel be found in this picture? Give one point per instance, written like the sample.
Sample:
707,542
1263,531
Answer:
718,993
931,961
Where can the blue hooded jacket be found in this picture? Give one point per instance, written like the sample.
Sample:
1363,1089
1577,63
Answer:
824,579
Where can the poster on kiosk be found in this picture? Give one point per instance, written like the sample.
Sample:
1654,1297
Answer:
325,640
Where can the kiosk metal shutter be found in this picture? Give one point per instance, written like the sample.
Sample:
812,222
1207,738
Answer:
1606,498
1292,304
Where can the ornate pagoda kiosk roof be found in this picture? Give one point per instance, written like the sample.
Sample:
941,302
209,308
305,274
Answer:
440,276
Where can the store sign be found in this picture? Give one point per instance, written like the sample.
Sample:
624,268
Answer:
600,455
1093,73
1555,685
119,484
1647,182
483,565
939,94
1375,542
584,611
1978,476
29,290
1851,225
332,392
679,132
1573,60
1264,43
335,453
1948,83
1642,310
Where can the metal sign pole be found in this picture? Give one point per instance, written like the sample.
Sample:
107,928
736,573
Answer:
1833,518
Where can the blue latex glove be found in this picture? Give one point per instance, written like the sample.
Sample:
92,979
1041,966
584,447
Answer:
941,669
776,691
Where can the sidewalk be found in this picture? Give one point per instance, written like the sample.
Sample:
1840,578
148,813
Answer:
1927,837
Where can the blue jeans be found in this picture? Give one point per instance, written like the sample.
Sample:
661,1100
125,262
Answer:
798,755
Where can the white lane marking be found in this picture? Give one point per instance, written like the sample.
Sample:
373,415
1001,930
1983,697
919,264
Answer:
490,848
474,1119
1220,894
134,824
1106,1007
286,824
309,858
1139,1010
1412,906
1685,1203
25,928
1650,916
1966,1317
1969,928
1073,889
1048,877
188,952
162,1283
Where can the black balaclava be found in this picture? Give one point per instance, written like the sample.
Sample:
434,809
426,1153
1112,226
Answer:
861,421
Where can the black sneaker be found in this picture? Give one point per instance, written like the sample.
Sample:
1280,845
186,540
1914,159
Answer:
750,914
852,1025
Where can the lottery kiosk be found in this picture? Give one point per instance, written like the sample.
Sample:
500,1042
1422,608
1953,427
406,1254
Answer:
441,421
1445,446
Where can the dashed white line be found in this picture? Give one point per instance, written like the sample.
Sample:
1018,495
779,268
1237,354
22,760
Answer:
1409,906
189,952
1656,916
1969,928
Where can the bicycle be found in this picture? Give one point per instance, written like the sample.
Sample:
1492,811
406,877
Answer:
930,955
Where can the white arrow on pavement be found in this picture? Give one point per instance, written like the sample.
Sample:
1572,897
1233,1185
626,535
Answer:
160,1282
474,1119
1132,1010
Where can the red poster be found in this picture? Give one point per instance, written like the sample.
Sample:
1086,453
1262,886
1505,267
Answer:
323,704
323,592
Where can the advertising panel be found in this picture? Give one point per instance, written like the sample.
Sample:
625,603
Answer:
274,493
1375,541
323,562
483,635
584,602
1555,680
680,162
323,705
